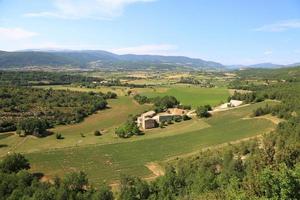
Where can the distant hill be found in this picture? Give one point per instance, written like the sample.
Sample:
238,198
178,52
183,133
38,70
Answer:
262,66
91,59
265,65
285,73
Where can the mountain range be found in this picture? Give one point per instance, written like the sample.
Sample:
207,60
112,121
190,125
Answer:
98,59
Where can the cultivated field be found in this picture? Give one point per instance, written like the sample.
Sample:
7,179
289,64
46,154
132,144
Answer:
108,161
190,95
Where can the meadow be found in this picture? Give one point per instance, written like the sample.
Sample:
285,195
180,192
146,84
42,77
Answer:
189,94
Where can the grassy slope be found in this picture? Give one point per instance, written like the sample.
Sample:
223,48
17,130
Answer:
191,95
109,161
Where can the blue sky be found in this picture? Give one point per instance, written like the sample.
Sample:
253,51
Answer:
226,31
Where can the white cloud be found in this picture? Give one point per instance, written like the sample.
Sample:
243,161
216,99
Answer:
280,26
268,52
161,49
90,9
15,34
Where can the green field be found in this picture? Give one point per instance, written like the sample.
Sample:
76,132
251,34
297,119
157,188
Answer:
108,161
190,95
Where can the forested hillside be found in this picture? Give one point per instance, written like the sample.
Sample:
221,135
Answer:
45,108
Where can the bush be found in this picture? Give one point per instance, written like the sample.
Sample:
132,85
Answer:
14,163
185,118
129,129
97,133
59,136
202,112
177,118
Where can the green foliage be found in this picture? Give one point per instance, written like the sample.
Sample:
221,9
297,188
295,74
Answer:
133,188
34,110
161,103
128,129
13,163
202,111
59,136
33,126
185,118
17,183
29,78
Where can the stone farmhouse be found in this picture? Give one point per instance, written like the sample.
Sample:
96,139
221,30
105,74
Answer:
151,119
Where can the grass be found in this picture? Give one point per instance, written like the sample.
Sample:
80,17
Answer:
108,161
190,95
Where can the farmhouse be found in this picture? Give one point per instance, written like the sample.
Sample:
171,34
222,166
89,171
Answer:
150,119
145,121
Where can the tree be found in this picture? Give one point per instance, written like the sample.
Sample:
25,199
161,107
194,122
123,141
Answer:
133,188
202,112
103,193
75,182
13,163
33,125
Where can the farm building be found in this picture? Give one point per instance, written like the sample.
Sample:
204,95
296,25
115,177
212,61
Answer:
232,103
150,119
235,103
145,121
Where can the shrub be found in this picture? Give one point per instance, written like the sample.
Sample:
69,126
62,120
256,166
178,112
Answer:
97,133
14,163
202,112
185,117
59,136
177,118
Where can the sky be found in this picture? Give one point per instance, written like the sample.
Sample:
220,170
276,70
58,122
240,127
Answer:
226,31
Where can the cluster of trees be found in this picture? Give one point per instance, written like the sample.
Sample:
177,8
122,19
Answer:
17,183
32,109
128,129
26,78
34,126
203,111
247,97
193,81
160,103
287,93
